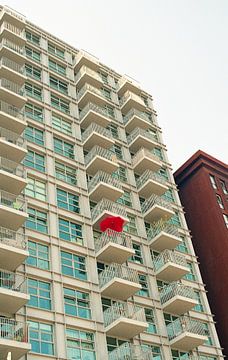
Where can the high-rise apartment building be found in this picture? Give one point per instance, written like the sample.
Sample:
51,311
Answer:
91,147
203,185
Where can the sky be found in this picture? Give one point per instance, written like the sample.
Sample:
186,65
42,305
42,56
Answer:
176,49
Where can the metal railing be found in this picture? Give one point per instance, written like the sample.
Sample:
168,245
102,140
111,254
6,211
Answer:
159,226
141,153
11,110
112,236
154,200
12,65
12,28
11,329
149,175
185,324
12,281
99,151
122,309
104,177
12,46
88,87
93,127
128,351
85,70
12,137
139,114
176,288
12,201
138,131
110,206
169,256
12,167
11,86
117,271
13,238
129,95
97,109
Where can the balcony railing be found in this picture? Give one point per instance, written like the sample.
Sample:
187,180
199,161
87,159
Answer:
12,201
109,206
140,114
141,153
12,65
168,292
13,330
12,167
99,151
12,281
159,226
169,256
93,127
102,176
91,88
97,109
12,46
13,238
12,28
12,137
129,95
128,351
141,132
117,271
122,309
185,324
11,110
114,237
154,200
149,175
88,71
11,86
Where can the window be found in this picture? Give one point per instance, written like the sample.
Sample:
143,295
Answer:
156,351
138,258
180,355
55,51
145,288
80,345
73,265
34,112
70,231
208,334
110,111
60,104
77,303
68,201
158,152
63,148
32,54
60,124
36,189
37,220
113,343
168,196
175,220
199,306
213,182
182,247
33,72
34,135
58,85
33,91
120,174
161,284
41,338
35,161
150,319
206,357
223,186
191,275
164,173
225,217
114,130
35,39
60,69
130,227
104,77
125,199
38,255
40,294
65,173
118,151
106,93
219,201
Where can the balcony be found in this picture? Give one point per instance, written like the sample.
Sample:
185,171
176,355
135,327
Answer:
99,158
170,266
13,291
129,101
177,298
95,135
12,176
13,17
103,185
12,146
163,235
12,210
154,208
151,183
125,84
12,51
143,160
12,71
12,33
106,208
13,338
124,320
89,93
12,93
186,333
137,119
89,76
140,138
94,113
85,59
128,351
113,246
13,249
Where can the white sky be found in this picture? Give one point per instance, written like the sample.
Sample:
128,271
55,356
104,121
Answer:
176,49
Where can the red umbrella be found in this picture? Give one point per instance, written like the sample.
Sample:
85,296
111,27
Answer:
112,222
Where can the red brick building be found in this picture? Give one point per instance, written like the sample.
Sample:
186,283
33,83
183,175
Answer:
203,186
